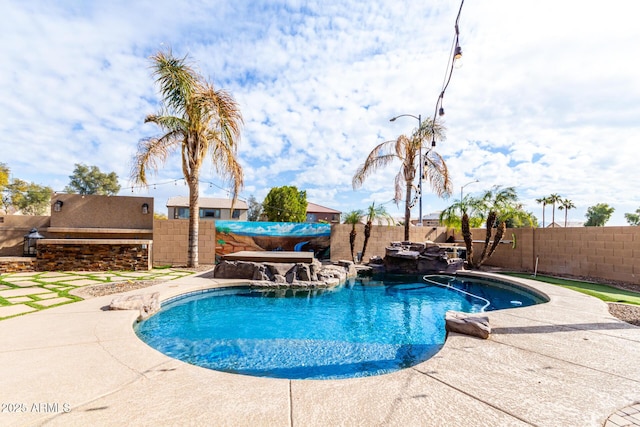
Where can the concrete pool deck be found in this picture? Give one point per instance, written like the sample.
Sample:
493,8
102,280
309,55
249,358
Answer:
564,363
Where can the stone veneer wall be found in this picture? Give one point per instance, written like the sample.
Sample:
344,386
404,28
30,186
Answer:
93,255
16,264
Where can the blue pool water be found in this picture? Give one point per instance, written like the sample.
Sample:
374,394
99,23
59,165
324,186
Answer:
355,330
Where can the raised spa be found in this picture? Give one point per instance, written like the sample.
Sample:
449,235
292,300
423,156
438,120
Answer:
361,329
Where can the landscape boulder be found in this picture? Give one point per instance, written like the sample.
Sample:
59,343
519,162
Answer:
467,324
146,304
313,274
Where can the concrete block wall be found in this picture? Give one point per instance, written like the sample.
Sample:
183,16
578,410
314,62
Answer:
609,253
171,242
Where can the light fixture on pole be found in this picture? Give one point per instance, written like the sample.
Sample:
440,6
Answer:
461,189
419,118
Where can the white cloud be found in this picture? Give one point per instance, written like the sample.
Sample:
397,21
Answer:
546,99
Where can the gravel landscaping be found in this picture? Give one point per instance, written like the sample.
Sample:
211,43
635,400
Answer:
627,312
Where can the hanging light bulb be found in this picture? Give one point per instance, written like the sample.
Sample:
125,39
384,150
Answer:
458,53
441,111
457,58
433,142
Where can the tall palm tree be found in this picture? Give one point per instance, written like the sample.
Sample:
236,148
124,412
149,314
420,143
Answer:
200,121
543,201
566,204
553,200
353,218
407,150
373,213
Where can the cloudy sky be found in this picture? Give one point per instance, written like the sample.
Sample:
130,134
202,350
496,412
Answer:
546,100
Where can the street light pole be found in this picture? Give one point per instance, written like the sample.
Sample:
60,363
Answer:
462,188
419,118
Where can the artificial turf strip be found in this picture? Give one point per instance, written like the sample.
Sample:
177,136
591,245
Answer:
604,292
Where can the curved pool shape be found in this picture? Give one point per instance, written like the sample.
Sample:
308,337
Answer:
367,328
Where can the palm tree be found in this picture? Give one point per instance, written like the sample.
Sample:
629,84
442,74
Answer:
200,121
494,208
353,218
553,199
407,150
566,204
542,200
472,217
374,213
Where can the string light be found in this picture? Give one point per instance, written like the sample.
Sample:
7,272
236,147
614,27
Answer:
454,55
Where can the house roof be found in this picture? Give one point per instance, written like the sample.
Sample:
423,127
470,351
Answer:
314,208
569,224
206,202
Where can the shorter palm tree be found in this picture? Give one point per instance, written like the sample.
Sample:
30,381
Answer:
494,208
373,213
353,218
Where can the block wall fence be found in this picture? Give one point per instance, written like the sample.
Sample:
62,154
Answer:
171,241
608,253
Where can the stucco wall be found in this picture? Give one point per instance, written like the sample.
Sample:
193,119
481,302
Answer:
171,241
14,227
115,212
381,236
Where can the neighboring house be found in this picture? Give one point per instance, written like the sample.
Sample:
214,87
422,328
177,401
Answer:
428,220
317,213
210,208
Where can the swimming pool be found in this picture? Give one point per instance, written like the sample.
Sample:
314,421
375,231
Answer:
365,328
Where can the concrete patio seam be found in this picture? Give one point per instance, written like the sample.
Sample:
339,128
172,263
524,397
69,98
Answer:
290,405
613,374
466,393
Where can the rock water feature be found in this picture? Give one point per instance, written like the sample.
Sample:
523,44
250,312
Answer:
420,258
277,274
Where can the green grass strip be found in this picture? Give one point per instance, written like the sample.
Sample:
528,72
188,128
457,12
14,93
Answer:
604,292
